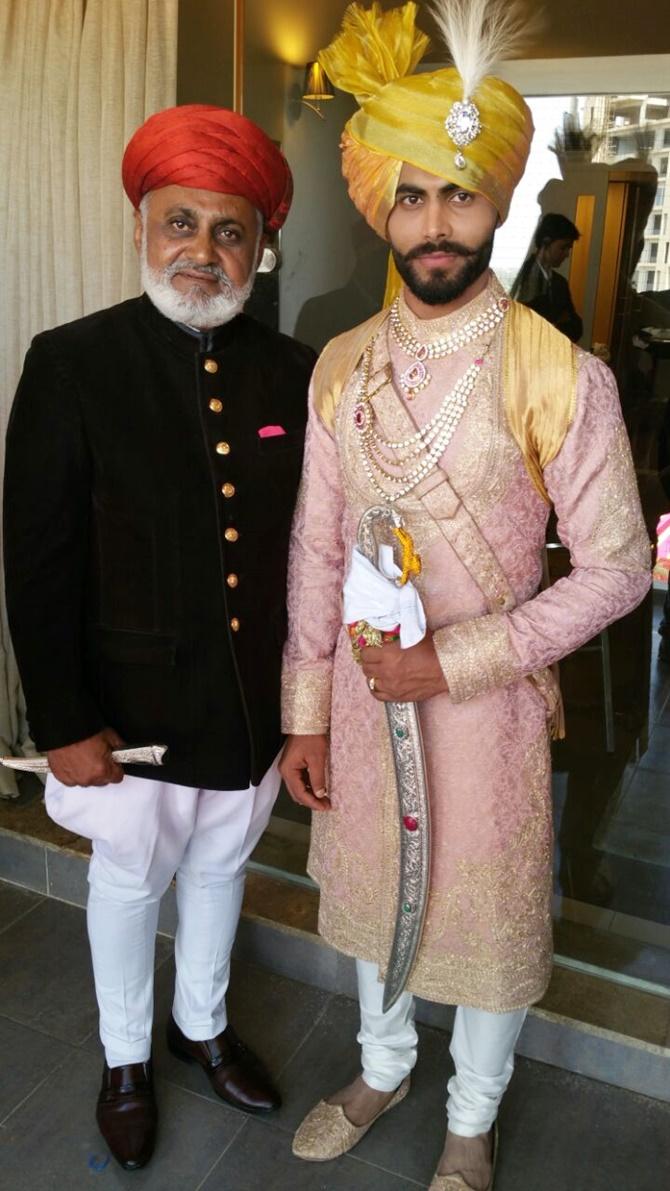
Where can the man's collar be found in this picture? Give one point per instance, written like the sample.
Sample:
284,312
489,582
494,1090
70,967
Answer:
185,338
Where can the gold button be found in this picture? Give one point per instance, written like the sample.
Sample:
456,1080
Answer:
501,600
215,405
228,490
232,580
231,535
223,448
235,625
211,366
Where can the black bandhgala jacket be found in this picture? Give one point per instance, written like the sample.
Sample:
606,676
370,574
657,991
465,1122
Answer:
146,536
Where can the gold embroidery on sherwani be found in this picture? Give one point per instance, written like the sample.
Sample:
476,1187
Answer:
499,910
476,655
369,931
306,701
617,534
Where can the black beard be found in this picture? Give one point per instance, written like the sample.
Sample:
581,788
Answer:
439,289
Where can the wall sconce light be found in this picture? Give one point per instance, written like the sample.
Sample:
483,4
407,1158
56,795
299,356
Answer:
317,88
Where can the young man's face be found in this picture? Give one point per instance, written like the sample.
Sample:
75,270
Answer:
555,252
441,236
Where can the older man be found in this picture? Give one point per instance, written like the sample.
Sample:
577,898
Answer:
153,457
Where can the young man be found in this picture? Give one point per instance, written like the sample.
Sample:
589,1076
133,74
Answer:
466,416
153,458
540,285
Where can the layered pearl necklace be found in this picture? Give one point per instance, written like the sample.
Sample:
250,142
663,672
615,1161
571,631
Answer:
417,376
383,460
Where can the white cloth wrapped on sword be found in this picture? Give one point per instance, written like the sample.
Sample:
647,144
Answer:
372,594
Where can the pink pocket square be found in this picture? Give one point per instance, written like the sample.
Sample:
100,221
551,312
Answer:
271,431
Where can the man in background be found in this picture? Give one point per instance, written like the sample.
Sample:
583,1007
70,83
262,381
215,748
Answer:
538,283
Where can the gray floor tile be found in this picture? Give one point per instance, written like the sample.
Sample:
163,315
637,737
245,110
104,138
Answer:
47,981
270,1013
26,1059
23,862
330,1058
561,1131
260,1159
67,876
15,902
47,978
52,1142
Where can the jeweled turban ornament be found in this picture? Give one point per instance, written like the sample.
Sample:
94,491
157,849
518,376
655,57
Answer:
459,123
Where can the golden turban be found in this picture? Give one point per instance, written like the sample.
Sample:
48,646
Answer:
403,117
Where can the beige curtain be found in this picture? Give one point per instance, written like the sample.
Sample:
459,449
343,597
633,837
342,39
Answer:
76,78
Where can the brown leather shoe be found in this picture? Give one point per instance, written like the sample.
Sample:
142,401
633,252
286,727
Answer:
235,1073
126,1113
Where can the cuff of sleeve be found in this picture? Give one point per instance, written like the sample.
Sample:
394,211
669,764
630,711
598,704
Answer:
476,656
306,698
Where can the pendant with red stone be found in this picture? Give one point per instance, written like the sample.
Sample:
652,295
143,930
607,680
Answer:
416,377
410,823
360,416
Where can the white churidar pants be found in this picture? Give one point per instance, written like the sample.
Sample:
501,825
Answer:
482,1047
144,833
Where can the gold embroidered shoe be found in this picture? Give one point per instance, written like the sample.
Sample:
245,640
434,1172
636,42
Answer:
326,1132
456,1182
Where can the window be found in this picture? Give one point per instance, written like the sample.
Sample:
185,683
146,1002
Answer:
653,251
663,167
666,138
650,279
656,225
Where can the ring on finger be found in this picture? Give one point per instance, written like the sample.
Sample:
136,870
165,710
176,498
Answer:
372,683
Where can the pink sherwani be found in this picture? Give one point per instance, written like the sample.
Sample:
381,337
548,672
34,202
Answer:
487,937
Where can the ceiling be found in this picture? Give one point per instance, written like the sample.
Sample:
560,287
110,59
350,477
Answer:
294,30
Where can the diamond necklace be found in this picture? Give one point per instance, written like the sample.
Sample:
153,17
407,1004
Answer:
417,376
420,450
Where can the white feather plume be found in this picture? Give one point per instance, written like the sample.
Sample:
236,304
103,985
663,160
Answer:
480,33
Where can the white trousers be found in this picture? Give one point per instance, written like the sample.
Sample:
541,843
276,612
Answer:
144,833
482,1047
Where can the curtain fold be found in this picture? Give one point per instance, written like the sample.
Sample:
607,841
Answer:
77,77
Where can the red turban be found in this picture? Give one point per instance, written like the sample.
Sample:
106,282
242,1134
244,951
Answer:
209,148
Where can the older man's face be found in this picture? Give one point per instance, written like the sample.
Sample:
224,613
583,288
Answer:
199,248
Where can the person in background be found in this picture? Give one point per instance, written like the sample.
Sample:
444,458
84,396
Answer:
538,283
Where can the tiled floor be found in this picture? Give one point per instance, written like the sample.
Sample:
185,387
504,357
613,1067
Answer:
559,1132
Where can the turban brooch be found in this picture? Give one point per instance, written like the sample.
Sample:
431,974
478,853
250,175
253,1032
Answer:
209,148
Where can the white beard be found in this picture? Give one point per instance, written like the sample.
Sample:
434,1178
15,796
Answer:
196,308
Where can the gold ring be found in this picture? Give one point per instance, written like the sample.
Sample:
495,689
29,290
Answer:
372,683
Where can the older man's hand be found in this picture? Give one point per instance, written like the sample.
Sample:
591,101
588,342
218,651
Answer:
398,675
88,762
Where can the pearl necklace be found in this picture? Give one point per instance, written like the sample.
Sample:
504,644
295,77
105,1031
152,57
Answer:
417,377
422,449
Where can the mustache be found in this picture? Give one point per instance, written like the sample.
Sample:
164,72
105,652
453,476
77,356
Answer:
450,246
182,266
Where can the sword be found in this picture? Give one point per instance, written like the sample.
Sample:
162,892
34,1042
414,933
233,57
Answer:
413,797
148,754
